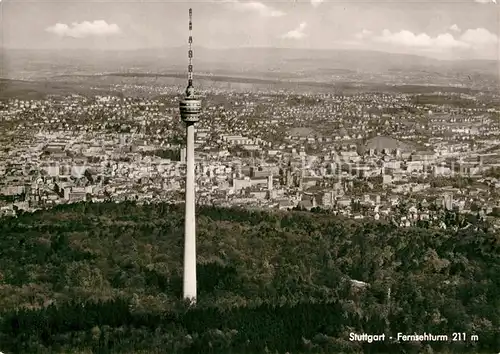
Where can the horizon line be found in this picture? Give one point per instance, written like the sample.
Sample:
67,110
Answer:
158,48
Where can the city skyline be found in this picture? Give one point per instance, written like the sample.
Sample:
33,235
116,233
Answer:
448,30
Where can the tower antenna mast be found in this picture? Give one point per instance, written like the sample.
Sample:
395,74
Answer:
190,52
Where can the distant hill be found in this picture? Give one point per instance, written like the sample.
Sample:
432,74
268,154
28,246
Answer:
35,90
258,62
91,85
340,71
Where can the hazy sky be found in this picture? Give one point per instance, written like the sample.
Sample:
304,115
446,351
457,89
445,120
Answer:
458,28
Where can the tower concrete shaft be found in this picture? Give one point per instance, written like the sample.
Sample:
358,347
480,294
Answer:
189,283
190,108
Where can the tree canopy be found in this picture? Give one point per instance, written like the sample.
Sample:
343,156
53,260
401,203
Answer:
107,278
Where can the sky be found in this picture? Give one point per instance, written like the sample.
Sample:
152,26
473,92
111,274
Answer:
446,29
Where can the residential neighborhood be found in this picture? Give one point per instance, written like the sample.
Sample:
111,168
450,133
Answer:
403,157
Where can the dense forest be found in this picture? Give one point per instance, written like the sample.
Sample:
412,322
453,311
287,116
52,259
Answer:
106,278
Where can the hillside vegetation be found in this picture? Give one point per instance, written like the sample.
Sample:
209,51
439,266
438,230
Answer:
106,278
40,90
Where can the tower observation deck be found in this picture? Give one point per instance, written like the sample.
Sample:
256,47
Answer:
190,106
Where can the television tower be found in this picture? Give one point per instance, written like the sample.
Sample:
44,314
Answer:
190,108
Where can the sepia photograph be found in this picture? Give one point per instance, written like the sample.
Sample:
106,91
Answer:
249,177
